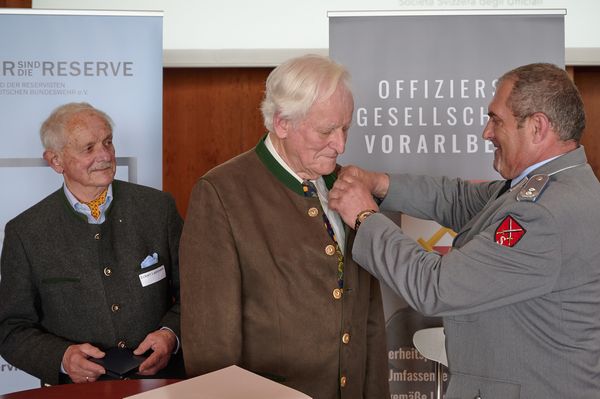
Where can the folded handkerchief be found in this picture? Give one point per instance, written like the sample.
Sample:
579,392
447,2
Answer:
150,260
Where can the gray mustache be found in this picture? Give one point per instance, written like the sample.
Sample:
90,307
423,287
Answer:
103,165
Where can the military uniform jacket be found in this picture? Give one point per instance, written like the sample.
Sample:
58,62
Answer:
258,287
66,282
521,321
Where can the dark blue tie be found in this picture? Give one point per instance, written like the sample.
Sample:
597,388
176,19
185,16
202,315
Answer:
504,188
310,190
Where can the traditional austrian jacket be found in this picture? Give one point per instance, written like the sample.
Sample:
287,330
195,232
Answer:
260,286
66,282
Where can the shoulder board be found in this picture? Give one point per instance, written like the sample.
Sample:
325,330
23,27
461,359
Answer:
533,189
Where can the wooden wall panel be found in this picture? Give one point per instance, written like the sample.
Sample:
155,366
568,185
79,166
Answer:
209,116
15,3
212,114
587,80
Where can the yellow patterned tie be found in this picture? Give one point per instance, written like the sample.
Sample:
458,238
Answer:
94,205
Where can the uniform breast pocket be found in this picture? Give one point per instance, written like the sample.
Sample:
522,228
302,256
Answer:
472,386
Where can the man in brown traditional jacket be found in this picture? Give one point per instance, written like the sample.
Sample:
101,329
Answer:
265,281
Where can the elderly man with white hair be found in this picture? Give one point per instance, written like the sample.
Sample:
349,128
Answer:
266,281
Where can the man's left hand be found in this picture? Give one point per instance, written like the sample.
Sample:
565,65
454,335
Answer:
163,343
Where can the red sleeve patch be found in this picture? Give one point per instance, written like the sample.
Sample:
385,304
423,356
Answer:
509,232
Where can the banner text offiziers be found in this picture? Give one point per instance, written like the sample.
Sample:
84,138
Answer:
427,116
438,89
427,102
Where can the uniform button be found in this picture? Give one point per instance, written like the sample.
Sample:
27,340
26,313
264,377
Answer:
97,236
337,293
346,338
330,250
115,308
343,381
107,271
121,344
312,212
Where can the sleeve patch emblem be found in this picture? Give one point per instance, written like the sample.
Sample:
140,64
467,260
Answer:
509,232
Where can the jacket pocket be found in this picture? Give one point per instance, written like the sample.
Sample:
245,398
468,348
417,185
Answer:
470,386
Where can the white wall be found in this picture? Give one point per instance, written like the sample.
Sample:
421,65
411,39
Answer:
265,32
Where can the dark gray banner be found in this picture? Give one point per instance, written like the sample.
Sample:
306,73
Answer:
422,83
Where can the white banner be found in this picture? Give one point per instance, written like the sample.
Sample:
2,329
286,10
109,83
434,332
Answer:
48,58
422,83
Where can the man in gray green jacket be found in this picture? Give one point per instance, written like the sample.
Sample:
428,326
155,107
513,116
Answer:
91,267
519,291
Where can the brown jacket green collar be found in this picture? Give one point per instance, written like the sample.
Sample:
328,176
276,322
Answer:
281,174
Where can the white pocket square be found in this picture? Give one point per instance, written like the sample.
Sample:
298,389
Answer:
150,260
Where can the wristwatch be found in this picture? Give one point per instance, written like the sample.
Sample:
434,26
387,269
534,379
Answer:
362,216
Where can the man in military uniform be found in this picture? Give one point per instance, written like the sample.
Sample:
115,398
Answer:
265,280
93,266
519,290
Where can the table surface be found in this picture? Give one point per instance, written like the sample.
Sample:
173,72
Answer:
116,389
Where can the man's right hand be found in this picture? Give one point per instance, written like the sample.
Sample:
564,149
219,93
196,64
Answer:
78,367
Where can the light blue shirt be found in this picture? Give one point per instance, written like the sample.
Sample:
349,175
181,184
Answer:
85,210
517,180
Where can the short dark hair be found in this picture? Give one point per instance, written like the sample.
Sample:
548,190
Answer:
546,88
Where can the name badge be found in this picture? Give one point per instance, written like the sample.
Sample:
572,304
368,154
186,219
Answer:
153,276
